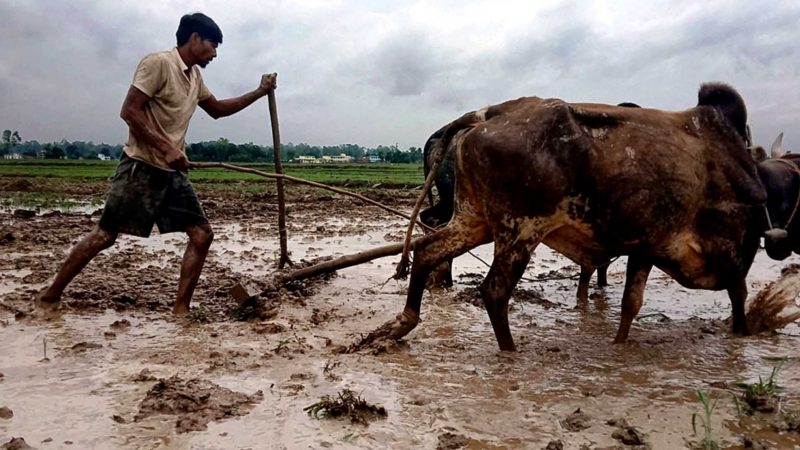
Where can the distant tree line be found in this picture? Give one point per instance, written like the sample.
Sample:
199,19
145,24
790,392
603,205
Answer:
12,143
220,150
224,150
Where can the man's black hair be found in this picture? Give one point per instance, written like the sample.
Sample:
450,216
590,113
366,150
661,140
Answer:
198,23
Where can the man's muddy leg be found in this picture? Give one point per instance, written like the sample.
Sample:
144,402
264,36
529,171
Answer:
79,256
200,237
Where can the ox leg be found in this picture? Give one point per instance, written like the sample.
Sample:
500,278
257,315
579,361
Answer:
635,281
738,296
602,276
441,276
583,286
507,268
453,240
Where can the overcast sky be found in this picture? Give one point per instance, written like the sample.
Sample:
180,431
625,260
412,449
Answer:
391,72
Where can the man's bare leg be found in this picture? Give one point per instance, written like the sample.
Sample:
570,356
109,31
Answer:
80,255
200,237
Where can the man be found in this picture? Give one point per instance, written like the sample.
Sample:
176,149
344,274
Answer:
151,184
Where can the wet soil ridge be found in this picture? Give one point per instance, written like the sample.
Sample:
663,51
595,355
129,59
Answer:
196,402
577,421
452,441
346,404
16,444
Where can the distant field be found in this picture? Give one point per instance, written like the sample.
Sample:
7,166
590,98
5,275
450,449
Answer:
338,174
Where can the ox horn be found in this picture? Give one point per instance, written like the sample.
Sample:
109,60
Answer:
777,147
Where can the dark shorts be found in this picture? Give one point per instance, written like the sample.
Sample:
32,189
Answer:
143,195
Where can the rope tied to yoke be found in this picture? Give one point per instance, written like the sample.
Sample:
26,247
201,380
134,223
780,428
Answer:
402,267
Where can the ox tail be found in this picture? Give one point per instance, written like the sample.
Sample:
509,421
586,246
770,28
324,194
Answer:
426,166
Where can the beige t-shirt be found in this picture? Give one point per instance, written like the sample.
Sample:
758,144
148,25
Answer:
173,99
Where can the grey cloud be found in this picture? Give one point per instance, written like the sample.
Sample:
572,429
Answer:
402,65
382,72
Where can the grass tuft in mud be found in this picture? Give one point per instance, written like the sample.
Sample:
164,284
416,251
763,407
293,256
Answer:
708,442
199,314
761,396
327,370
347,404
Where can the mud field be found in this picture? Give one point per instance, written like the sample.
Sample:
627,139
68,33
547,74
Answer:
116,370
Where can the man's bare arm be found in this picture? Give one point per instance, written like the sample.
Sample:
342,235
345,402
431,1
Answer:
222,108
135,115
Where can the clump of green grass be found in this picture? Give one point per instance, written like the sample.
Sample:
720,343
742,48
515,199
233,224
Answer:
283,345
199,314
347,404
763,395
708,442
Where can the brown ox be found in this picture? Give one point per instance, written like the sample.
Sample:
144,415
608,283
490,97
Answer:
675,190
439,213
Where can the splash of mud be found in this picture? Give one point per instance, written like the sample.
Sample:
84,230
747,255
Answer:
774,306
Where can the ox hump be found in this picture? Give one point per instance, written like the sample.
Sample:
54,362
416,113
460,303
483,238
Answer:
727,101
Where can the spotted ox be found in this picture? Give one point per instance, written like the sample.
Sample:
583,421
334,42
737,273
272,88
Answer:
674,190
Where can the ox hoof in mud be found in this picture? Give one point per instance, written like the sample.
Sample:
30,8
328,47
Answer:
46,304
389,332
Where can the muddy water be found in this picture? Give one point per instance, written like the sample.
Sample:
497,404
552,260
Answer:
447,379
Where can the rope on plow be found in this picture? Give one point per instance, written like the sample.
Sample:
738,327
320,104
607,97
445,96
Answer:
402,266
208,165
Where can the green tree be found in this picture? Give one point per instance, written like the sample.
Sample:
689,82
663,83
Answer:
52,151
10,140
72,151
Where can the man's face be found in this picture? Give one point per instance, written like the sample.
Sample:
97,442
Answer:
204,50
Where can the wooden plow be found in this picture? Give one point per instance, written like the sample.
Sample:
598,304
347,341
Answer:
241,293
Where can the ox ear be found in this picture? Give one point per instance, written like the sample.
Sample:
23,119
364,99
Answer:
758,153
777,147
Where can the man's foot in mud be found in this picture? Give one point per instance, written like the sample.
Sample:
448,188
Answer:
180,310
389,332
47,302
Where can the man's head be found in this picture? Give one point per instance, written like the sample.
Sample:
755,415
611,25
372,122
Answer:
200,35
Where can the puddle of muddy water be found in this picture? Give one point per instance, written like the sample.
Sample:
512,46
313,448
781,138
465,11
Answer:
448,378
66,206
